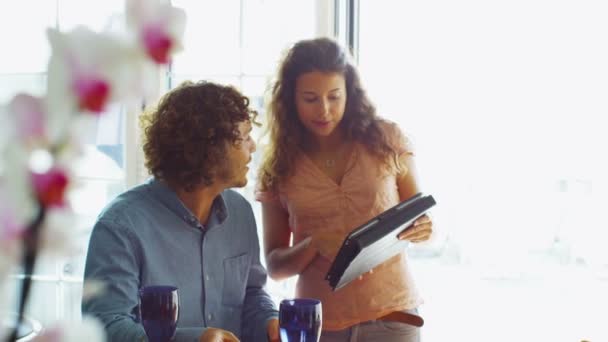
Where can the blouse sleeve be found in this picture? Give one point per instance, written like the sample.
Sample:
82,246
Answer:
400,142
266,196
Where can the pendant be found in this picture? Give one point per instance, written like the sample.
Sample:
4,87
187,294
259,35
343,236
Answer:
330,163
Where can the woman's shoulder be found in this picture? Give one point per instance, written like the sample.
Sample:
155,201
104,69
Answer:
395,135
388,126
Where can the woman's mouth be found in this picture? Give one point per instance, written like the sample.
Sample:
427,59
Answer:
321,124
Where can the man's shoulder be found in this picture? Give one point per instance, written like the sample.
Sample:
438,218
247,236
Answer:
132,200
234,198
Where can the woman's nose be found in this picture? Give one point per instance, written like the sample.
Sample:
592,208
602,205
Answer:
324,107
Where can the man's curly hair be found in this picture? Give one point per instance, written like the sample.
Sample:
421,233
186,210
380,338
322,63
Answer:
186,135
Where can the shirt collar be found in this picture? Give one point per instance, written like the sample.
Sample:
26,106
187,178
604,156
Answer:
162,192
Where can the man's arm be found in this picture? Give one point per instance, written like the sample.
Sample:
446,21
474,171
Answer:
258,307
112,259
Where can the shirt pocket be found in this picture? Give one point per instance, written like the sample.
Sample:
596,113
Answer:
236,271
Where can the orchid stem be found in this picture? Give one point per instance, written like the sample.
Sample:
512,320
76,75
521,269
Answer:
30,245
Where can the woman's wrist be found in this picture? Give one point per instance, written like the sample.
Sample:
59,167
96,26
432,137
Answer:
292,260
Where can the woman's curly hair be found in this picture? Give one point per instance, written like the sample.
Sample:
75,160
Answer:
360,122
186,135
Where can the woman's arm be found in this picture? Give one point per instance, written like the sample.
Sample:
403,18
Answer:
407,185
282,260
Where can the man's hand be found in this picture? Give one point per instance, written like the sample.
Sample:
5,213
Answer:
419,231
217,335
273,330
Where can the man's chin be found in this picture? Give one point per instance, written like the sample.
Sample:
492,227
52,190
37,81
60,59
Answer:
240,184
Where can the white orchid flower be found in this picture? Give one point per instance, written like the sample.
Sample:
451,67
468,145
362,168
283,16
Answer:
159,27
87,70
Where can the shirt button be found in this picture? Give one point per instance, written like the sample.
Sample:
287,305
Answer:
210,317
207,277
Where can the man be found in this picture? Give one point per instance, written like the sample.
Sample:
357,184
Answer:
184,227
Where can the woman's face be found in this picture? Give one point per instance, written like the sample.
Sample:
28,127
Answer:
320,101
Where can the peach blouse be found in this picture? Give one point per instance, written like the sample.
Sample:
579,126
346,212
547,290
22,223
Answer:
328,211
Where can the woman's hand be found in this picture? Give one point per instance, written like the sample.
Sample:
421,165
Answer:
283,260
217,335
419,231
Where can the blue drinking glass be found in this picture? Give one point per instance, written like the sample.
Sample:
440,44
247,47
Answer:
159,312
300,320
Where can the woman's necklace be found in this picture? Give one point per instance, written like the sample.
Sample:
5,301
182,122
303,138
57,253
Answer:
339,152
329,163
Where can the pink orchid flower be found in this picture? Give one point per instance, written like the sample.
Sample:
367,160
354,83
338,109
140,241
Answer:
157,43
159,26
50,187
29,112
92,93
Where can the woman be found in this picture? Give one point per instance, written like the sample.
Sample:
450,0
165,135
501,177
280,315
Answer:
331,165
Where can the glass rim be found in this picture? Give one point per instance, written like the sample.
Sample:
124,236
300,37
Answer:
301,301
158,288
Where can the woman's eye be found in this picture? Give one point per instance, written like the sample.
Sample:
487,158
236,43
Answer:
310,100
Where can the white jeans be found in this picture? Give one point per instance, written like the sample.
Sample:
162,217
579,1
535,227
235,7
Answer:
384,331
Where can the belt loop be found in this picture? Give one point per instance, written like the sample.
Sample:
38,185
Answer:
354,333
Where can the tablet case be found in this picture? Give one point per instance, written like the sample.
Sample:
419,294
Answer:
376,240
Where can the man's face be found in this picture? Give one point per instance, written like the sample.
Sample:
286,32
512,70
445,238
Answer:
234,171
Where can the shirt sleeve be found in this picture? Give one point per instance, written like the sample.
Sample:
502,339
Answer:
112,259
266,196
399,141
258,307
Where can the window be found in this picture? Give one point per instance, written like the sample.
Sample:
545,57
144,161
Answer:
505,103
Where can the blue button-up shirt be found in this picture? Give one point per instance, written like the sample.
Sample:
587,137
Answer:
146,236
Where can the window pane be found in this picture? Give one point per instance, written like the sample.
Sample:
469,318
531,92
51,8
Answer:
505,102
255,88
23,27
211,39
268,31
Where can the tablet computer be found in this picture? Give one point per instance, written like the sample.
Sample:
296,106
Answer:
376,241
